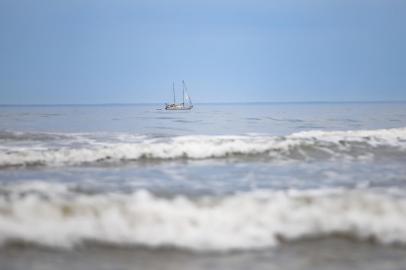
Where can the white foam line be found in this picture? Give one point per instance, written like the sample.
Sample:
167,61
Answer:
115,148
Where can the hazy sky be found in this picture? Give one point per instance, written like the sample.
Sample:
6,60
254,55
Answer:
122,51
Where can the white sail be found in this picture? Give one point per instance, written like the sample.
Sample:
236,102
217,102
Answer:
187,99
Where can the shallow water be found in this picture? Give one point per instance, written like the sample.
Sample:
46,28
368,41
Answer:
317,254
276,186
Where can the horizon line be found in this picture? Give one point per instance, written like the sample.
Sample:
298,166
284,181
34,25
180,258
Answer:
197,103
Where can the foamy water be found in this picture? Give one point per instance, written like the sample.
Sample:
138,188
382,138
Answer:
55,149
58,216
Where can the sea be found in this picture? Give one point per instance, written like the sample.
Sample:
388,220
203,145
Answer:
223,186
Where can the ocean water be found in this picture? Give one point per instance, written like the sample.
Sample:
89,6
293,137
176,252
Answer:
224,186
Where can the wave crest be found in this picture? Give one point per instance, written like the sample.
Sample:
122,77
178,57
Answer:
59,217
77,149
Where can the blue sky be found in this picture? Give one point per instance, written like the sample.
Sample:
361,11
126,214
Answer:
123,51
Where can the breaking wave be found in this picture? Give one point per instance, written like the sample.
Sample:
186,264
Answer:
58,216
49,149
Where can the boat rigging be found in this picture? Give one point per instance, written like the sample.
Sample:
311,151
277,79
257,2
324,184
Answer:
186,100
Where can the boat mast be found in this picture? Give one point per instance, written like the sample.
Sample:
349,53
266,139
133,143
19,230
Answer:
183,88
173,88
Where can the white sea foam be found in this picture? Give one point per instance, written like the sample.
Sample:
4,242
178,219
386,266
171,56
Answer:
76,149
57,216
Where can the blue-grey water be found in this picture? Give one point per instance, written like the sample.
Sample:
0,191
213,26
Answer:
223,186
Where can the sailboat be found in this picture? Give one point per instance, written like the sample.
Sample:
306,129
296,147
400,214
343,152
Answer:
185,105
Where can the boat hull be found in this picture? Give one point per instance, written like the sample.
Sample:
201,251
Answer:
176,108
